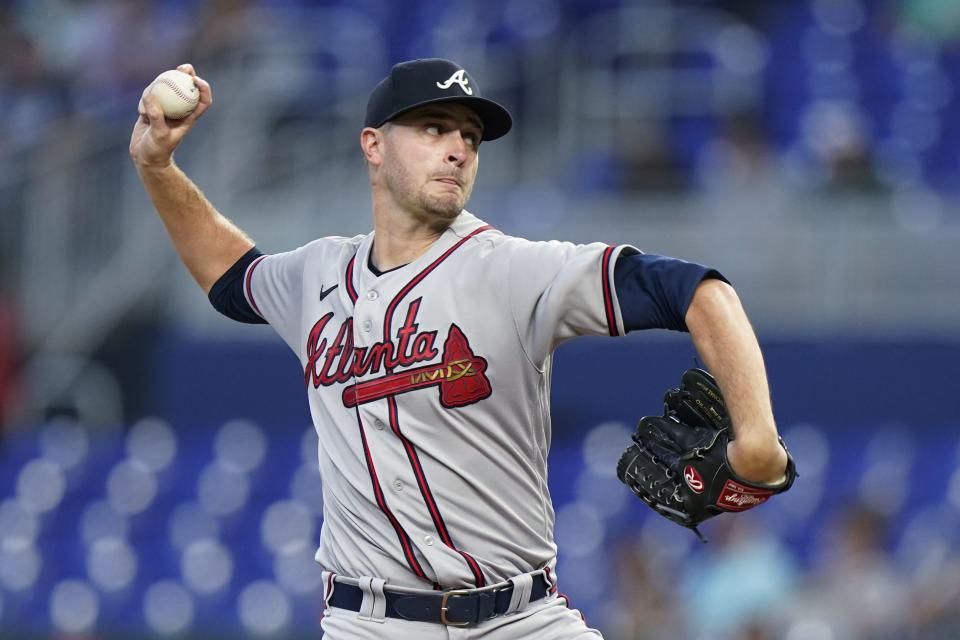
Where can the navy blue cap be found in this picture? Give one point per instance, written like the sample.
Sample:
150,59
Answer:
415,83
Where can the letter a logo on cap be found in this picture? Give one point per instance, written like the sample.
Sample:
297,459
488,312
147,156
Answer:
458,78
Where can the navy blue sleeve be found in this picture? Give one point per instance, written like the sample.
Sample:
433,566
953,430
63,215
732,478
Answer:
226,295
655,291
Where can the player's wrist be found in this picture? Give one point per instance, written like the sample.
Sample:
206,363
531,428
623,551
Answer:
154,164
757,460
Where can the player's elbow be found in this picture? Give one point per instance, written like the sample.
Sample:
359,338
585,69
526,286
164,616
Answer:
758,460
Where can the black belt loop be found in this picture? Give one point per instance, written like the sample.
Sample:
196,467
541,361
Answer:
455,607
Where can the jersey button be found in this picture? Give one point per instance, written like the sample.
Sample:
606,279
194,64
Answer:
366,325
372,295
397,485
428,540
378,423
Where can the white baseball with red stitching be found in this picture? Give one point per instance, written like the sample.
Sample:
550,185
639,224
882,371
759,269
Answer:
177,94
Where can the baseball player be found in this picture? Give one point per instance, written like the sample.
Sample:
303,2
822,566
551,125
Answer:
426,352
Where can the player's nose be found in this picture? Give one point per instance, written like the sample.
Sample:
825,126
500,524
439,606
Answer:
456,148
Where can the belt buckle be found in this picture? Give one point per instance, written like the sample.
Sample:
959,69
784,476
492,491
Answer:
443,607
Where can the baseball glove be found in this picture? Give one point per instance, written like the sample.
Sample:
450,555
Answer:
678,462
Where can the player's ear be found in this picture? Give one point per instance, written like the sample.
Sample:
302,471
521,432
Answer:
371,143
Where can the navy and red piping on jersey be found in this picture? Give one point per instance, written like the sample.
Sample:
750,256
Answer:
550,579
405,542
348,277
326,597
608,291
412,455
248,288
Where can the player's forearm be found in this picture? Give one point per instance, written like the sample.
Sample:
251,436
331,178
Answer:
207,242
724,339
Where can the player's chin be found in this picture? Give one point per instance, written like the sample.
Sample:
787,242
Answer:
445,206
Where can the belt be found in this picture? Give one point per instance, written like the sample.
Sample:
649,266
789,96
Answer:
457,607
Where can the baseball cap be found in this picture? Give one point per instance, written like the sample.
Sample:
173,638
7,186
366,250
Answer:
415,83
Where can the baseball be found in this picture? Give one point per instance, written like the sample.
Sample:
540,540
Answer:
177,94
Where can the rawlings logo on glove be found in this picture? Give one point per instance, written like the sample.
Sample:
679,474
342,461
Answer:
693,479
689,441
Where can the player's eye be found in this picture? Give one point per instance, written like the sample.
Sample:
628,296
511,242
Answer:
433,129
472,139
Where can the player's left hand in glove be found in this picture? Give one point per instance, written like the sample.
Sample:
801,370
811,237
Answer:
678,462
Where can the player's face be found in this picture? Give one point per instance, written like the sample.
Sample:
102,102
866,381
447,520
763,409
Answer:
430,159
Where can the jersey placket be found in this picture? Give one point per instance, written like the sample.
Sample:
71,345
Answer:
386,483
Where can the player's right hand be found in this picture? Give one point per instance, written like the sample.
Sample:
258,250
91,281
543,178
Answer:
155,137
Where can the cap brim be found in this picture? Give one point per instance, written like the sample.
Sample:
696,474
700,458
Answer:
496,120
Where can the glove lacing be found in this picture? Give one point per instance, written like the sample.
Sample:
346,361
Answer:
659,487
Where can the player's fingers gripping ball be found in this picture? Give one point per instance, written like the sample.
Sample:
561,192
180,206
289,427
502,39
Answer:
678,462
176,93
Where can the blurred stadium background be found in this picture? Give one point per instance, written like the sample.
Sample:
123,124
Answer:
157,469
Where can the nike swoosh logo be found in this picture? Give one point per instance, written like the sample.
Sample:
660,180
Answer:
324,294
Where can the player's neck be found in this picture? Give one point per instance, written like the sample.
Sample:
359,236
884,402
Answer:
401,239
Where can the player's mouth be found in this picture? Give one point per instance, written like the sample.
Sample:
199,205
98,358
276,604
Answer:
449,180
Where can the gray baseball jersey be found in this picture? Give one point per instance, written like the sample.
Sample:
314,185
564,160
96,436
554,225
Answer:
429,390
